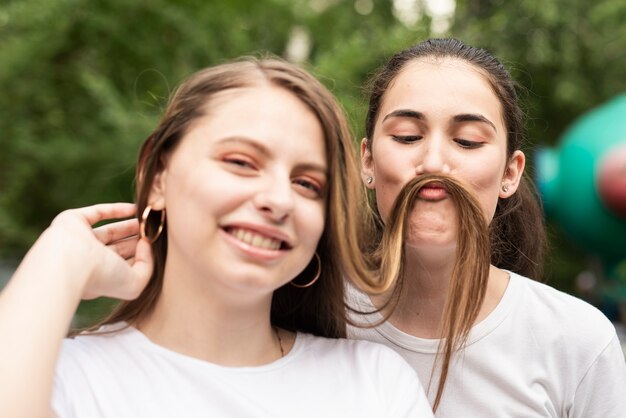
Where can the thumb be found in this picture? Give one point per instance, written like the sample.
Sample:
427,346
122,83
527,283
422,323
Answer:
142,267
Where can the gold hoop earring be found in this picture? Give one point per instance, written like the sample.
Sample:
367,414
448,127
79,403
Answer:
317,275
144,220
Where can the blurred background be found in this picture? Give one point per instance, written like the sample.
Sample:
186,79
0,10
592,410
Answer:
82,82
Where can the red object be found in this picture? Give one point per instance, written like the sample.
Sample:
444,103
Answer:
611,180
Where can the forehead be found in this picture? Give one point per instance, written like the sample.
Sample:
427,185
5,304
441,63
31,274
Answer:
442,85
269,114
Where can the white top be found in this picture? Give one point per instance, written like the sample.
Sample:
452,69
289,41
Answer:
540,353
126,375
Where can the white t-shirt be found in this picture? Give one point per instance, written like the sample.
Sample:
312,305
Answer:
126,375
540,353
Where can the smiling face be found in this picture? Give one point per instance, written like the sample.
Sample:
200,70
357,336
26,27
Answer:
440,116
244,191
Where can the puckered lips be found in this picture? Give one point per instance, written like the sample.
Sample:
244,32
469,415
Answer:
433,192
257,240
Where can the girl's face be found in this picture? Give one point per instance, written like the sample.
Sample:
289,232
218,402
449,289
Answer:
245,190
440,117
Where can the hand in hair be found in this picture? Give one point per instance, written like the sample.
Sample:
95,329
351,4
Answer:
121,237
69,261
106,261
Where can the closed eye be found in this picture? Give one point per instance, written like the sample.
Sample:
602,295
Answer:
464,143
240,162
406,139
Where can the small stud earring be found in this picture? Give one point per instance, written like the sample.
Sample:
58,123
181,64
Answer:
370,180
505,188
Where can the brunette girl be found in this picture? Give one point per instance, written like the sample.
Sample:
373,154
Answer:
463,236
234,291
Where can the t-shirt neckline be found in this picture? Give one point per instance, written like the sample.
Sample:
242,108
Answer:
409,342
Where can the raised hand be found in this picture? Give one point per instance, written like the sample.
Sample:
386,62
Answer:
69,261
121,237
106,261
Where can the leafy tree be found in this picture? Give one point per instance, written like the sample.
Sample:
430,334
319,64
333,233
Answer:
83,82
570,56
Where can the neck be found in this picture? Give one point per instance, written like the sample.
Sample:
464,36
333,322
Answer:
422,299
420,307
215,325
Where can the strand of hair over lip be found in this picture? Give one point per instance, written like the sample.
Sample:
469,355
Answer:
470,274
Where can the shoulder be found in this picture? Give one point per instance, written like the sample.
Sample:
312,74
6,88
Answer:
372,369
563,318
566,308
346,347
372,358
108,342
89,361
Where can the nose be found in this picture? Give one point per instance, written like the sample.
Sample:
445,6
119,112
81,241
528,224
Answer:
275,199
432,158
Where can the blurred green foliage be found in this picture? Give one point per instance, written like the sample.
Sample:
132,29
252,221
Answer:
82,82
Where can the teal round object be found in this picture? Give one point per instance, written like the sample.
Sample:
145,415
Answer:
567,178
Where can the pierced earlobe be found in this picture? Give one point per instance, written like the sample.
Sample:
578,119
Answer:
369,180
505,188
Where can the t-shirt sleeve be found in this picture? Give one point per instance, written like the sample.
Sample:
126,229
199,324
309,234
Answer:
406,394
59,399
59,389
602,390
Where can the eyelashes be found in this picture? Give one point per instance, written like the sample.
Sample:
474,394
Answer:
411,139
312,189
240,163
406,139
468,144
246,167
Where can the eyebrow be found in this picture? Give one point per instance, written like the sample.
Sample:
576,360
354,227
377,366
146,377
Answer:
472,117
267,153
405,113
464,117
247,141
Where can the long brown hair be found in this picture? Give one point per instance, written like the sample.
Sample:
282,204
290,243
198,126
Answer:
319,309
516,233
471,269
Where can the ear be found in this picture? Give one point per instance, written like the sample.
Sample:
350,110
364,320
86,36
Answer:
156,198
512,174
367,165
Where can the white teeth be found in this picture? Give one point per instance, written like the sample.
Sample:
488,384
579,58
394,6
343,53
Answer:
255,240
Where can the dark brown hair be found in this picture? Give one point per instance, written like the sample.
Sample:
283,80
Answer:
517,230
319,309
517,233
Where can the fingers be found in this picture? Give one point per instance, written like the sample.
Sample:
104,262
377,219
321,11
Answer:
117,231
143,263
141,271
120,279
125,248
101,212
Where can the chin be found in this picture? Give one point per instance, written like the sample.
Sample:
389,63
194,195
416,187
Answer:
432,245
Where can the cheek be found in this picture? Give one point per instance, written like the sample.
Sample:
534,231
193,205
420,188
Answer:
390,179
487,190
311,222
385,198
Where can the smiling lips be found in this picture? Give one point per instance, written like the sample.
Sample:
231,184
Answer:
256,239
